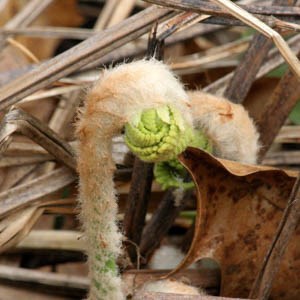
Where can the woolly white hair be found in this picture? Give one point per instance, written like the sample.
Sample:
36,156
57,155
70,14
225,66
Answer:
142,84
171,286
166,257
228,126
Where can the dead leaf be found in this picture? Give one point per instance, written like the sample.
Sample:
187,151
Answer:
239,208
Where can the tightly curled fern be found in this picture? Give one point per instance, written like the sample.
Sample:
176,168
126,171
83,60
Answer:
158,134
172,174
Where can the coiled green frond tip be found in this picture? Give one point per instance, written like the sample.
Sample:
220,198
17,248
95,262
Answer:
158,134
172,174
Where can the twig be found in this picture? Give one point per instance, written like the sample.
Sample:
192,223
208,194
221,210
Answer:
262,286
160,223
276,110
137,202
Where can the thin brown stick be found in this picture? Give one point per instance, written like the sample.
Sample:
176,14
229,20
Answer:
262,286
276,110
137,202
161,222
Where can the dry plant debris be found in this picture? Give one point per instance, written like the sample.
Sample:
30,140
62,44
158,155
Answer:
52,51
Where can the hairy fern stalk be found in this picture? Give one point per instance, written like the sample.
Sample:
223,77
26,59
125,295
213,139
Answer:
122,93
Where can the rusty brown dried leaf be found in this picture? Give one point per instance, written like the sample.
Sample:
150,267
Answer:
238,210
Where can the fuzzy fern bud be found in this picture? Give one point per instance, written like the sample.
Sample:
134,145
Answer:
158,134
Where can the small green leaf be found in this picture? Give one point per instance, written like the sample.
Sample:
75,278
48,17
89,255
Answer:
278,72
164,114
295,114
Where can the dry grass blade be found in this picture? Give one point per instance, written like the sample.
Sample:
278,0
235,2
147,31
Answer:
257,24
244,74
57,91
17,121
274,60
19,148
221,16
52,239
252,21
282,158
49,32
105,15
8,161
14,228
121,11
67,285
23,49
169,296
178,23
208,8
209,56
28,14
29,193
288,134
